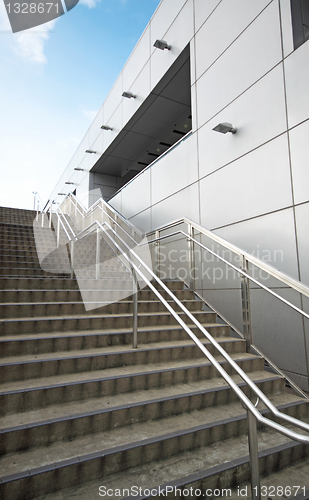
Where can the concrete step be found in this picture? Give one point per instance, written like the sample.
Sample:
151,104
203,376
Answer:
77,393
71,390
41,283
23,433
60,283
78,403
31,310
209,481
95,321
59,341
279,482
17,296
61,363
26,271
7,260
116,451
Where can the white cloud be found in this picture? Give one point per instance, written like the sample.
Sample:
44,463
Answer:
28,44
90,114
90,3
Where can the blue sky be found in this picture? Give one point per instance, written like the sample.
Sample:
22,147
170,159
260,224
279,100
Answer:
54,78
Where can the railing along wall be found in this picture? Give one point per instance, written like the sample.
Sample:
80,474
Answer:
265,306
121,239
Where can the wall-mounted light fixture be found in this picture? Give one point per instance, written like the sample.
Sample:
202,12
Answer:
90,151
73,183
81,169
61,194
223,128
162,44
129,95
106,127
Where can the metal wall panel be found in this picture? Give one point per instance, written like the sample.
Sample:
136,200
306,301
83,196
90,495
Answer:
306,324
141,88
116,123
178,36
114,98
97,146
300,380
116,202
270,238
175,170
227,302
80,152
299,159
82,191
302,217
255,124
192,61
182,204
278,331
95,130
136,195
222,28
194,109
297,77
137,59
163,18
203,10
252,185
214,273
286,23
142,221
241,65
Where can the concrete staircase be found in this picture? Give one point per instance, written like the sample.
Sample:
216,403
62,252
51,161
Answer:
81,409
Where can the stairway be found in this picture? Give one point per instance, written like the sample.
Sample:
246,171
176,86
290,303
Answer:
81,409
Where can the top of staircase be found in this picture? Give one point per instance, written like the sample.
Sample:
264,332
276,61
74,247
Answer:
17,216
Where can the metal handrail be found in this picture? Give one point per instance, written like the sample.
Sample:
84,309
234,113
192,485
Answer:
287,432
87,212
209,337
37,201
239,270
275,273
253,413
62,214
58,230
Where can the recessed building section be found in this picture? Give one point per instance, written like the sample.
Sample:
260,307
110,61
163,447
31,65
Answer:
163,119
300,21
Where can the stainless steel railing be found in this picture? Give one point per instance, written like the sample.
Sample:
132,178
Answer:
287,288
252,412
138,267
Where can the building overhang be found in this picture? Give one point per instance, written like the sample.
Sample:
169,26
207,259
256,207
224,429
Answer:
161,120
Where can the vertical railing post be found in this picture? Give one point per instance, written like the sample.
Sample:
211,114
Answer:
157,253
254,457
97,256
135,308
72,259
191,266
42,219
37,210
58,232
50,214
246,307
191,258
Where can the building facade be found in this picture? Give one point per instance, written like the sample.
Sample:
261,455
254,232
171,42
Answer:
157,157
